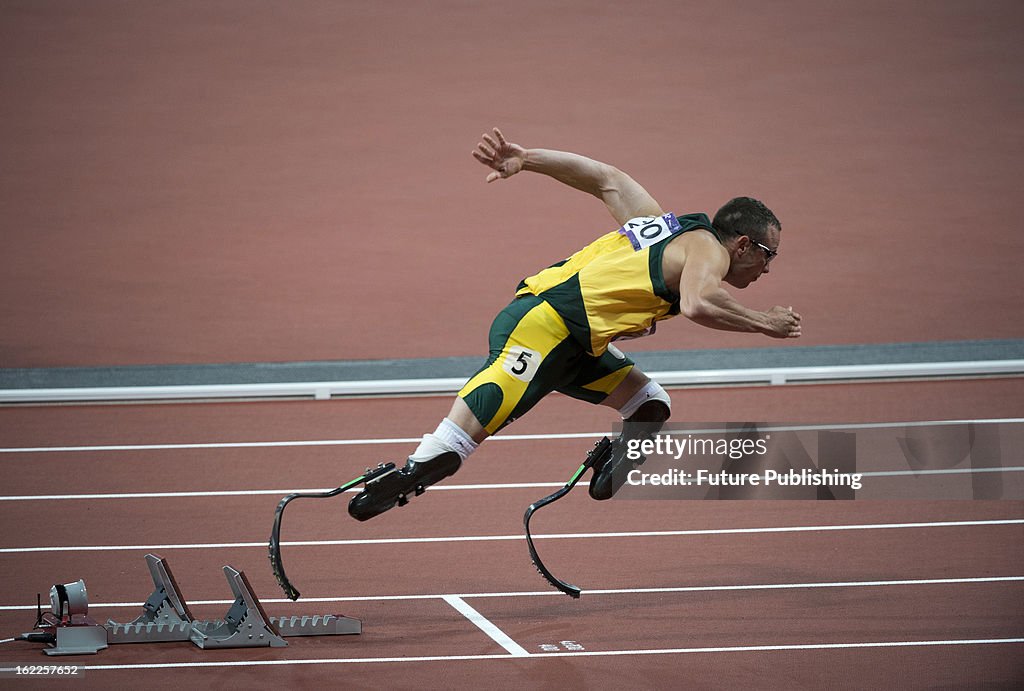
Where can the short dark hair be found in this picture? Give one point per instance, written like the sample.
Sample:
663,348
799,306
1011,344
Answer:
745,216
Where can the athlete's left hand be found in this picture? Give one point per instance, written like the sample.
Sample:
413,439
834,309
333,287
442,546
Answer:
503,156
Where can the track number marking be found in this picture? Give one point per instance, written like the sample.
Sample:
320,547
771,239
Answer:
560,646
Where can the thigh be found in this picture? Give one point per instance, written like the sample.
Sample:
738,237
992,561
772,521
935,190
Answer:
605,379
531,355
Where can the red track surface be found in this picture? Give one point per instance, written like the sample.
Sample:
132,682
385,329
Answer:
236,182
607,625
225,181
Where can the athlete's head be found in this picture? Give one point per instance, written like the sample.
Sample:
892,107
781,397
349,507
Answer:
751,233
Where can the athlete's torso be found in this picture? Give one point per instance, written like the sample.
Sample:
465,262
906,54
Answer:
615,287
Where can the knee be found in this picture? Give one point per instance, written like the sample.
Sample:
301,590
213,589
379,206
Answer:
650,404
653,410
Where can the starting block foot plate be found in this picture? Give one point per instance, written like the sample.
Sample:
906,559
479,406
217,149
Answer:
246,625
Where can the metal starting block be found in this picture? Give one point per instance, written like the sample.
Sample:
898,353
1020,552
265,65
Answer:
166,617
245,625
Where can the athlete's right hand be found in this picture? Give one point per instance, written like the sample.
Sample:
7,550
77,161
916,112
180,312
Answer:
783,322
503,156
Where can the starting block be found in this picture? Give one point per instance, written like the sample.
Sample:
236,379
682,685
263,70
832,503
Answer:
166,617
245,625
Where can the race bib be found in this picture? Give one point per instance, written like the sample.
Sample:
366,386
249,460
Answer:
522,363
645,231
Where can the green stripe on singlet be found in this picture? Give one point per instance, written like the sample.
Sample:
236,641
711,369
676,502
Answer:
567,299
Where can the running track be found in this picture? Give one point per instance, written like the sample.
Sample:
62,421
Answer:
754,593
210,182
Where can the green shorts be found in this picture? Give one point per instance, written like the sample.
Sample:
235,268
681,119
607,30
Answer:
531,355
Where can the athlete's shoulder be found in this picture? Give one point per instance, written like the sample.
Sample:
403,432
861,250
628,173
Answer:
699,247
705,238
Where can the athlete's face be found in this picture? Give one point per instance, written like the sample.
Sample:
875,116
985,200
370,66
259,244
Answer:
752,258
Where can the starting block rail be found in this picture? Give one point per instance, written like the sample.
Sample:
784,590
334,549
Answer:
166,617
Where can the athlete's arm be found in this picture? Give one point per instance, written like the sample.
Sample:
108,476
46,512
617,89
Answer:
623,195
703,300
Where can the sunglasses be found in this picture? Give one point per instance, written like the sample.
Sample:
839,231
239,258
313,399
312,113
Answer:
769,254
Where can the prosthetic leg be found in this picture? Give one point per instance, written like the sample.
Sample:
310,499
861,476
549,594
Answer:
274,547
386,486
599,455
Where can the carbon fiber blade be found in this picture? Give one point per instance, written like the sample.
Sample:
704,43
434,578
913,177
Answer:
274,546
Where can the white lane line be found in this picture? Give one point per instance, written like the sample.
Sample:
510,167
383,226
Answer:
440,487
943,471
288,443
210,445
256,492
496,538
435,488
536,656
485,625
609,591
499,438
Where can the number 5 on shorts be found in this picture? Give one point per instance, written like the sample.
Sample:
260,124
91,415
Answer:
522,363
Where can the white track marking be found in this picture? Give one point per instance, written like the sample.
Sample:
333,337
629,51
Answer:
536,656
435,488
497,538
287,443
944,471
609,591
503,437
255,492
485,625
